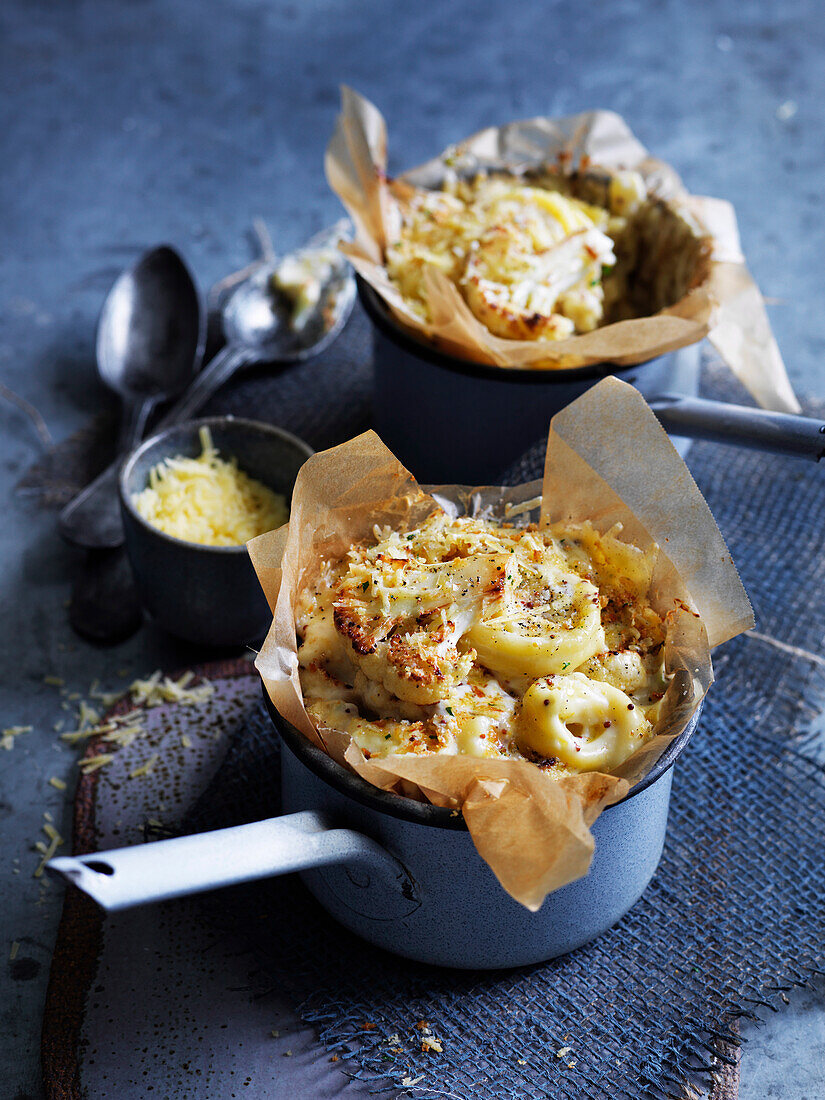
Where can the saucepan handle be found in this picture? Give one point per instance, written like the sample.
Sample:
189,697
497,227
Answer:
126,877
759,429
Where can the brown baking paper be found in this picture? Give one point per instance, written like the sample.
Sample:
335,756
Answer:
609,461
726,306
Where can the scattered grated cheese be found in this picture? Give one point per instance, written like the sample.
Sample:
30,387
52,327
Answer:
144,769
408,1081
92,763
186,740
123,729
560,1053
208,500
47,850
15,947
58,784
157,689
429,1042
9,734
54,681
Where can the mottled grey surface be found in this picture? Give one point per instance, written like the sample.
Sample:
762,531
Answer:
124,125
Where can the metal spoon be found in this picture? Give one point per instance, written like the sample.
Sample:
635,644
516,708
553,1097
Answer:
150,342
256,322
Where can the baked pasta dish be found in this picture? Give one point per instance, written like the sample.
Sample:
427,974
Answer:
467,635
546,256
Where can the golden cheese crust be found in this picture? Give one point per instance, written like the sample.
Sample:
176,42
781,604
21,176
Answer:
548,255
470,636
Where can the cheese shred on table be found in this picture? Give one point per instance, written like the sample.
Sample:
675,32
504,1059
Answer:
208,500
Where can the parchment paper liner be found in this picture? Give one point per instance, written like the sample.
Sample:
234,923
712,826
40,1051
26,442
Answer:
608,460
727,306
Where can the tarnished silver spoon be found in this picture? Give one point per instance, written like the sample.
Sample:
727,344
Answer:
150,342
257,321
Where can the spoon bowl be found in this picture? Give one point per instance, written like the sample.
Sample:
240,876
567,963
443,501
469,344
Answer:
151,331
258,316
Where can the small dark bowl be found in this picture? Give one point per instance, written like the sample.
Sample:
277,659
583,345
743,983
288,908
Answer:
453,421
206,594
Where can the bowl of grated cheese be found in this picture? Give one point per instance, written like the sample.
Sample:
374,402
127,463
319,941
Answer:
191,498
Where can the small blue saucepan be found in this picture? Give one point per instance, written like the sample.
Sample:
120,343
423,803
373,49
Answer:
452,420
402,874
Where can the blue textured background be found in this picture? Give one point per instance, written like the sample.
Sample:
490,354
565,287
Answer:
125,124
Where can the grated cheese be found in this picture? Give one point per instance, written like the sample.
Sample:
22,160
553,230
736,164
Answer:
144,769
157,689
208,500
92,763
58,784
9,734
47,850
15,947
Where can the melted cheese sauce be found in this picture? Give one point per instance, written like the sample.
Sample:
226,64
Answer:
469,636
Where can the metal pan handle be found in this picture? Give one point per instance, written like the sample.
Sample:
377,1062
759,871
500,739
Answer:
759,429
126,877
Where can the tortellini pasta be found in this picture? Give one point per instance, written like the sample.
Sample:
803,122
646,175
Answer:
586,724
470,636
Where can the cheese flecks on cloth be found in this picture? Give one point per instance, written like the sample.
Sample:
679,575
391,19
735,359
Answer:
469,636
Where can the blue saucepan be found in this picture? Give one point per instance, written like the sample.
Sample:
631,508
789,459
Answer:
402,874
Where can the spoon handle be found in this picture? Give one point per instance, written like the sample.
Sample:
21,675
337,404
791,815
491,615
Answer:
209,381
133,423
759,429
92,518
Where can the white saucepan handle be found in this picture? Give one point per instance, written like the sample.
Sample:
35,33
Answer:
126,877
